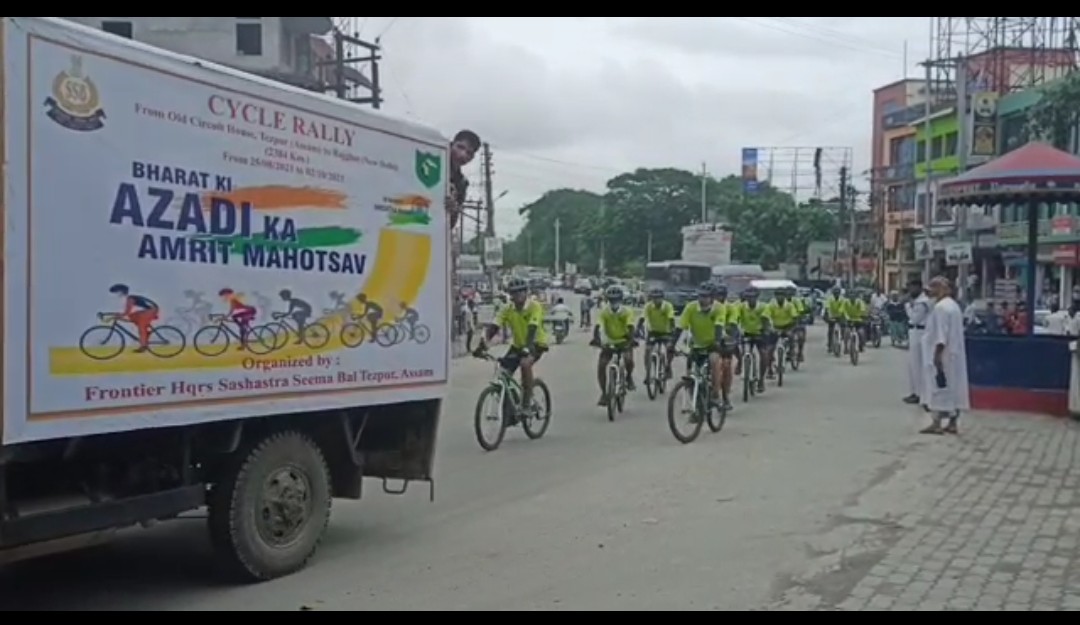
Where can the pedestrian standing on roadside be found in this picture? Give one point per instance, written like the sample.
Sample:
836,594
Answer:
948,392
918,309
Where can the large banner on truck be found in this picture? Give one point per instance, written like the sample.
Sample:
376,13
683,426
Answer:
186,245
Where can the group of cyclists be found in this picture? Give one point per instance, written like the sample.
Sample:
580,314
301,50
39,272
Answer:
717,329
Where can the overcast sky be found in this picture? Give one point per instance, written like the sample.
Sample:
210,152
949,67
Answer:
572,101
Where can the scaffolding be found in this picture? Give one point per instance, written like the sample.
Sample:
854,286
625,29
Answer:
1003,54
807,173
354,72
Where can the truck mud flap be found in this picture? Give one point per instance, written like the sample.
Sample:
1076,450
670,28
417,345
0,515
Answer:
48,526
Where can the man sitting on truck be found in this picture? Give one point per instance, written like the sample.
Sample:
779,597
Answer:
525,321
140,311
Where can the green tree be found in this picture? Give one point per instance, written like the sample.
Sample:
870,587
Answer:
645,211
1057,115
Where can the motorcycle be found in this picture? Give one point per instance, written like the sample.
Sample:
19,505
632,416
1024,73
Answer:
561,330
877,330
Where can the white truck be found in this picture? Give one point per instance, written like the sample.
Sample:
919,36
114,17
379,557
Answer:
217,291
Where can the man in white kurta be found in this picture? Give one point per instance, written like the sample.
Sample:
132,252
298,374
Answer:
918,310
947,391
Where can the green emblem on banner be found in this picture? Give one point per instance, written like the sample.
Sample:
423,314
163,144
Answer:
429,169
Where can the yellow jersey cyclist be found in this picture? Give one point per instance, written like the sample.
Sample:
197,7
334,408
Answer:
524,319
806,317
784,315
857,312
709,323
753,321
614,334
658,319
836,308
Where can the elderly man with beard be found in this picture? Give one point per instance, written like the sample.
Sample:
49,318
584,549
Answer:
947,391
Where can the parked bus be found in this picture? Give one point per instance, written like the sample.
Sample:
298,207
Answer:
678,279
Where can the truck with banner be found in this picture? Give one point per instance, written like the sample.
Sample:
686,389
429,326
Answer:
217,290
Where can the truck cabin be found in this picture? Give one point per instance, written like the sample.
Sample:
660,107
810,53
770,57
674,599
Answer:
679,280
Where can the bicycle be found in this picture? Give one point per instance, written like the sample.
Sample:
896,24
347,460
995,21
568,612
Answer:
836,339
507,410
215,338
781,356
360,327
315,336
876,331
657,368
693,395
616,382
188,320
793,347
852,342
107,341
412,331
751,374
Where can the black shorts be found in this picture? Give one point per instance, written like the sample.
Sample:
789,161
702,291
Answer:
759,341
660,338
512,360
700,356
609,351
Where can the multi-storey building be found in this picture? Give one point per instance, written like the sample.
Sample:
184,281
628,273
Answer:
287,49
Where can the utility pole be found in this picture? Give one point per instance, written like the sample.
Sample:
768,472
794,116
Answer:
848,212
489,208
704,193
558,246
928,209
603,245
963,152
650,246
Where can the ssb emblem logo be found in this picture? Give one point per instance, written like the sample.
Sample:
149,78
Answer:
75,103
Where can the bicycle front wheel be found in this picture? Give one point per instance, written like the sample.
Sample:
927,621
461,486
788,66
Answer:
102,343
316,336
212,341
352,335
612,394
652,378
166,342
853,348
421,334
717,415
490,422
780,361
538,419
684,418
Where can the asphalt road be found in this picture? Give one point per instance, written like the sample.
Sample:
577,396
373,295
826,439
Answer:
598,516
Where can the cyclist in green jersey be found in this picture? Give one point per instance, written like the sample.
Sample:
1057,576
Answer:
658,318
614,334
805,317
784,316
835,312
706,320
857,312
523,318
755,326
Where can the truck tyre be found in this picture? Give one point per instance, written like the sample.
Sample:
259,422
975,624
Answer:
270,509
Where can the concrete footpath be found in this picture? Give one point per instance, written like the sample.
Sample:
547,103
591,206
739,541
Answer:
989,521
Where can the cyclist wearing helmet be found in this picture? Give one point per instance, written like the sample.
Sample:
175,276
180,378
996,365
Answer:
858,316
706,320
784,316
802,305
659,316
616,321
753,320
524,319
835,312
